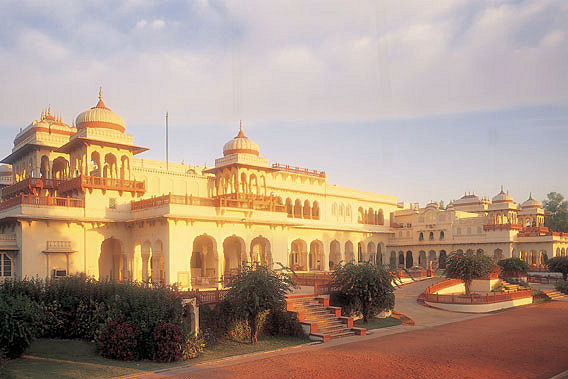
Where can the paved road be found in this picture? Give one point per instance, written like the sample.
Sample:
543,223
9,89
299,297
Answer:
529,342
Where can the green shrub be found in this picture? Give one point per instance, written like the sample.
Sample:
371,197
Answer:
282,323
81,307
468,266
511,266
17,319
562,286
193,346
364,288
215,321
119,340
559,264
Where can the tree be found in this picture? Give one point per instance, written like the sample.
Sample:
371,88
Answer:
468,266
559,264
255,290
557,209
366,286
513,265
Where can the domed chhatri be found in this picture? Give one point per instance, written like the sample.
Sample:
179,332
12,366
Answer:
502,197
241,145
531,203
100,116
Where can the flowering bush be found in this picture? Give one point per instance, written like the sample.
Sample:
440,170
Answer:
119,340
168,342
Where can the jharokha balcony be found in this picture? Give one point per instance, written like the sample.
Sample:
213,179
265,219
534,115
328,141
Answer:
263,203
493,227
24,199
35,186
82,182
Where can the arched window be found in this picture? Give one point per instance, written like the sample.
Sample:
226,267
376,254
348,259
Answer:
289,207
442,235
381,217
431,237
421,237
307,209
315,211
298,208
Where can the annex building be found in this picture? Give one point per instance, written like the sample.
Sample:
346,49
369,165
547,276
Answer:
76,198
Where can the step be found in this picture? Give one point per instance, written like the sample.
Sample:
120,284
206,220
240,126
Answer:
332,329
347,333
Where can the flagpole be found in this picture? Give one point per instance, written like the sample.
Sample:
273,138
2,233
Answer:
167,144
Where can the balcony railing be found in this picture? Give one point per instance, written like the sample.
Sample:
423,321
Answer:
173,199
249,201
50,201
299,170
266,203
492,227
82,182
30,186
58,246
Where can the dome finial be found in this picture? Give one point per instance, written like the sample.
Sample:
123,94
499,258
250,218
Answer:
241,133
502,189
530,196
101,103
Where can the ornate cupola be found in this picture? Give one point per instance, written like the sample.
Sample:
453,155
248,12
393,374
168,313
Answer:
502,197
100,117
531,203
241,145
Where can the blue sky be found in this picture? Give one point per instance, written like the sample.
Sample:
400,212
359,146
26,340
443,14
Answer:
419,99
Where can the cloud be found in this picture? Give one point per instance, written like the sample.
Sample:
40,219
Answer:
214,61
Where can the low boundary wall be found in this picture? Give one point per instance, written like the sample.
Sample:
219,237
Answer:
438,295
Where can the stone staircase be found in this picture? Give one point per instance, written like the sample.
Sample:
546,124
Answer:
508,287
554,295
321,321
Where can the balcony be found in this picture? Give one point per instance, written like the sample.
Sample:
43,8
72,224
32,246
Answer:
248,201
82,182
30,186
534,231
299,170
263,203
494,227
172,199
50,201
58,247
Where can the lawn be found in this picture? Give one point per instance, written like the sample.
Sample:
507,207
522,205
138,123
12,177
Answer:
78,359
377,323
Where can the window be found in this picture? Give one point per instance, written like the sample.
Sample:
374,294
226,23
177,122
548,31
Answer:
431,235
421,237
5,266
442,235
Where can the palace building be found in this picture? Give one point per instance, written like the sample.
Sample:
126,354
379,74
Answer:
78,199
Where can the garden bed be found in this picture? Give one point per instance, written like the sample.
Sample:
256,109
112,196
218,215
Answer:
78,359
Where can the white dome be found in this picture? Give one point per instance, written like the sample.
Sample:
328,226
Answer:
531,203
502,197
241,145
100,117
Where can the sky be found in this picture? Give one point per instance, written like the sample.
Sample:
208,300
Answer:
424,100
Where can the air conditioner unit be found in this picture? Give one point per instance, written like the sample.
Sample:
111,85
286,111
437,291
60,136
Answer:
59,273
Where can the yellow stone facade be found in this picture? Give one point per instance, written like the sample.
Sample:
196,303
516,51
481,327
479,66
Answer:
76,198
